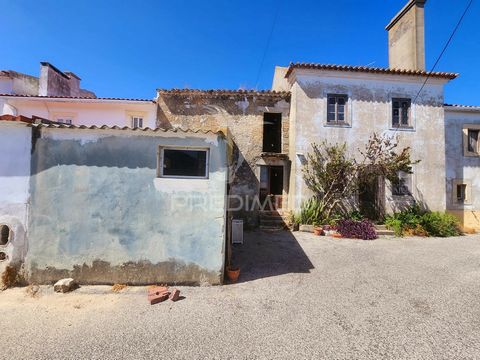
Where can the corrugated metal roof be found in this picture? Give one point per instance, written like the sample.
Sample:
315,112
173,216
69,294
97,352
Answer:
366,69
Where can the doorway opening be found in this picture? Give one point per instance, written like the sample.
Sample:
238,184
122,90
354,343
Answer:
272,133
372,198
271,186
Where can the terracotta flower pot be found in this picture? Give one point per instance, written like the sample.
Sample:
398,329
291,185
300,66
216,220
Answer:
337,235
317,230
233,273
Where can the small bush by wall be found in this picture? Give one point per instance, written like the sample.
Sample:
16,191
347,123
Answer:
354,229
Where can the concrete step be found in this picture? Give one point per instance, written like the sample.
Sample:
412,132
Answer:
271,212
271,228
272,222
381,227
385,233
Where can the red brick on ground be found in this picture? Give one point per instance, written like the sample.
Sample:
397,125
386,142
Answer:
175,295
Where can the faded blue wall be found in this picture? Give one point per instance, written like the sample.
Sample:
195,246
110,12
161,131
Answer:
99,214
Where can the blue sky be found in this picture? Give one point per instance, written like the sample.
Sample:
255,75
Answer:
128,49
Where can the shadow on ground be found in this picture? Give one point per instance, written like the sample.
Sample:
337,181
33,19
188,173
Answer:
264,254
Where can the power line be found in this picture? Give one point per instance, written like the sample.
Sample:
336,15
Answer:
444,48
268,42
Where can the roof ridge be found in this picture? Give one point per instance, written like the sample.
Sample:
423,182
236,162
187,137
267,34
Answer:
361,68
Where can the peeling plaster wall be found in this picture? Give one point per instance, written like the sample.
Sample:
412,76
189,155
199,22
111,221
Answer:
15,146
369,110
243,117
460,167
86,113
100,214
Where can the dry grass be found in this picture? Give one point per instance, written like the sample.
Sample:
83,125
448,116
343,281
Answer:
118,287
467,230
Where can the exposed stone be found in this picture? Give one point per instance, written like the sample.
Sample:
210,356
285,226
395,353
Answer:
175,295
306,228
65,285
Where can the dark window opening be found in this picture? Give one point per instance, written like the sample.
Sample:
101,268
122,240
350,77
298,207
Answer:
272,133
3,256
336,108
403,187
401,112
461,193
4,234
473,141
184,163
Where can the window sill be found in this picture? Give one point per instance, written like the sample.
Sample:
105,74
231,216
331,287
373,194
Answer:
402,128
337,124
469,154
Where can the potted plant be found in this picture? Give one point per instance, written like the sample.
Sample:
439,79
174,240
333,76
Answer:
233,272
317,229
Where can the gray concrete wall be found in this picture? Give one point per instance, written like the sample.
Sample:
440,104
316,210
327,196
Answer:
369,110
100,214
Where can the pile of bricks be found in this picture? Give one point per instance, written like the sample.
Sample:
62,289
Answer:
157,294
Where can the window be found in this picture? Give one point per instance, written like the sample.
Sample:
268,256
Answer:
272,133
137,122
336,109
5,234
461,190
403,187
401,112
67,121
183,163
472,143
461,193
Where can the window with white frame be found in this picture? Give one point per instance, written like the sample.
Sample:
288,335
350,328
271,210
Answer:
401,112
137,122
337,109
183,162
461,190
403,186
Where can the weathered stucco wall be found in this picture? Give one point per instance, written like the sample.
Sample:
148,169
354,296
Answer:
15,146
369,110
243,117
460,167
100,214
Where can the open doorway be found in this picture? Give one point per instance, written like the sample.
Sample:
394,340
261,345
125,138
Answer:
272,133
372,198
271,185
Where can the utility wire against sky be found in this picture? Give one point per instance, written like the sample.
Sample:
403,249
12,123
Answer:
444,48
279,4
441,55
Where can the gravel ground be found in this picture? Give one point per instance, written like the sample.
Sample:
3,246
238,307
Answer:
300,296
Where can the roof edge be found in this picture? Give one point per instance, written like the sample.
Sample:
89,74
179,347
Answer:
366,69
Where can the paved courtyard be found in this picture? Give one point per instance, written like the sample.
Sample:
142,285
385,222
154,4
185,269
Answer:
299,296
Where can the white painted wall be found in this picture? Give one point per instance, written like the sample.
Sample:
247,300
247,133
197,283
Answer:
84,113
15,147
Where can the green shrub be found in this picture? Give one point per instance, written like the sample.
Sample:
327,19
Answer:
395,225
311,212
440,224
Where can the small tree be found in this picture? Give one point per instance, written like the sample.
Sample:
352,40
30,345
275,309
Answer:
334,176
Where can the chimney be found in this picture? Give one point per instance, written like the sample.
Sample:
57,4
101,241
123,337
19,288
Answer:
52,82
406,37
74,83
